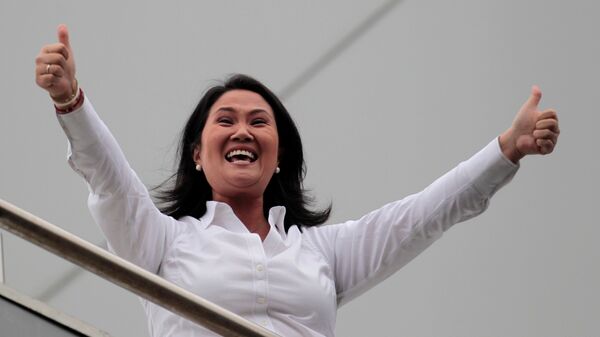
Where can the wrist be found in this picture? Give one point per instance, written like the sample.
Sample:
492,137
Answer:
508,145
72,102
64,99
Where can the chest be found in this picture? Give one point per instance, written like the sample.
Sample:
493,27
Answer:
253,278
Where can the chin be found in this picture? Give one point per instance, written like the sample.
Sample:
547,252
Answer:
245,186
240,184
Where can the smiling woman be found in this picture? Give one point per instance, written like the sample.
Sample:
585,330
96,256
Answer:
235,225
241,114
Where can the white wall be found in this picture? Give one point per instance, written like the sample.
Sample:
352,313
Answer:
428,85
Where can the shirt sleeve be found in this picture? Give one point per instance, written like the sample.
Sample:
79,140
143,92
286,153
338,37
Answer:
118,201
366,251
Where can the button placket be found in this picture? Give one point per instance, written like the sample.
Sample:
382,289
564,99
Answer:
260,284
260,281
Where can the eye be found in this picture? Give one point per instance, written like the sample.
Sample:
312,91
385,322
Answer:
225,121
259,121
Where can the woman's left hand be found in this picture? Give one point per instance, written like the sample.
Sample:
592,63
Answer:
532,132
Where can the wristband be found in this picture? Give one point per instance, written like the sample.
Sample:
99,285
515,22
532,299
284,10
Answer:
70,100
70,106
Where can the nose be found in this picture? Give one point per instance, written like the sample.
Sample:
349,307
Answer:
242,134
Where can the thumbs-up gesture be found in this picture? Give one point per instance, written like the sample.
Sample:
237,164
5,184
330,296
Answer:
532,132
55,68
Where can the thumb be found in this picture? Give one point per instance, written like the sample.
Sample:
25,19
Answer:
534,98
63,35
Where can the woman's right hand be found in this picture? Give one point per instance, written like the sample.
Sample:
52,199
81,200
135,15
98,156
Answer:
55,68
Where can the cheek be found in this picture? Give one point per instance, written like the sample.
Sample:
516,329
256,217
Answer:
274,152
211,143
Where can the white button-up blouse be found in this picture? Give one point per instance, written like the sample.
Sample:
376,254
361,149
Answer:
291,283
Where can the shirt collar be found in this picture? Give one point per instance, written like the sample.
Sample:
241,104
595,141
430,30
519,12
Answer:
221,214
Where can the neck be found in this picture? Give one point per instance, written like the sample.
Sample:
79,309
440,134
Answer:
250,213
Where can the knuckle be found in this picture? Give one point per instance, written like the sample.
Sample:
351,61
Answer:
63,50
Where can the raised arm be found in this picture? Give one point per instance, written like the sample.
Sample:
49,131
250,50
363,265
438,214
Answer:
363,252
120,204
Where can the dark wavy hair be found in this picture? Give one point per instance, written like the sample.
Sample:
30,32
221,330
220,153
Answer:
187,190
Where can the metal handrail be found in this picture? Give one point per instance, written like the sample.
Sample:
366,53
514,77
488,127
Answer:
1,260
126,274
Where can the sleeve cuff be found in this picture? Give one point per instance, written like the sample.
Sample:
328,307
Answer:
81,126
490,169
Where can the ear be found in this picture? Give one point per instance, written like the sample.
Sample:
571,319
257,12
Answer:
280,152
196,156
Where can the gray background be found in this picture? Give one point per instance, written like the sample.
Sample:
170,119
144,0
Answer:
418,88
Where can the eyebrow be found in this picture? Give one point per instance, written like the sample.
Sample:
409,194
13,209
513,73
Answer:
230,109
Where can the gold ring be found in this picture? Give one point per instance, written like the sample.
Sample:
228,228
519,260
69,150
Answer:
47,68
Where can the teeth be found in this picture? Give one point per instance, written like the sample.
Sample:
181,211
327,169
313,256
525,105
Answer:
240,153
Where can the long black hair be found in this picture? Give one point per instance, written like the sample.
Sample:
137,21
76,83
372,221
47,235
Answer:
186,191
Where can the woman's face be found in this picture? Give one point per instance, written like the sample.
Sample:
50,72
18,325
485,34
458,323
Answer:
239,146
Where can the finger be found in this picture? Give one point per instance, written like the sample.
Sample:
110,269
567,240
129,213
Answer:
550,113
44,59
534,98
56,48
545,146
50,69
550,124
545,134
63,35
45,81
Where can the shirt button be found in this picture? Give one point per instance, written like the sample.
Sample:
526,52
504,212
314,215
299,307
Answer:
260,300
260,267
264,323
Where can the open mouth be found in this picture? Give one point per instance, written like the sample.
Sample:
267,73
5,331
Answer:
240,155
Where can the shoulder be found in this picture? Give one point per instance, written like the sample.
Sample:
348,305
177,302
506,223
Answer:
186,225
321,240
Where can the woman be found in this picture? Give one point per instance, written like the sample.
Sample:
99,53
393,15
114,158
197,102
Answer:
236,228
